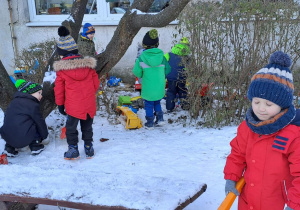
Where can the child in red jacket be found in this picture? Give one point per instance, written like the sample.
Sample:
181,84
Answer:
75,90
266,150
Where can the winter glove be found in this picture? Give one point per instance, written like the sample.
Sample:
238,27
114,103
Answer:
230,187
288,208
61,109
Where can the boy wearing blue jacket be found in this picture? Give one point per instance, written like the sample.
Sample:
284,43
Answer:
177,58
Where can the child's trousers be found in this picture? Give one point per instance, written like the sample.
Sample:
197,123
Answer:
151,106
86,129
175,87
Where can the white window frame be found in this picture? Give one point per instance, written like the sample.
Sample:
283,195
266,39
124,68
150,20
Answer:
103,16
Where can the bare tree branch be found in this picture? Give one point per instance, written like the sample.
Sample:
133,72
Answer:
129,26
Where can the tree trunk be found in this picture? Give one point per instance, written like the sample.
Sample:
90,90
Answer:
7,89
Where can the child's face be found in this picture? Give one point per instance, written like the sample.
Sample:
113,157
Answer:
264,109
90,36
38,95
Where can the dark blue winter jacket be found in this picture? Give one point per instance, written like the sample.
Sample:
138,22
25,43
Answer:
23,121
177,68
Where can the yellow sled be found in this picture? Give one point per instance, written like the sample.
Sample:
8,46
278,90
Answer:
132,120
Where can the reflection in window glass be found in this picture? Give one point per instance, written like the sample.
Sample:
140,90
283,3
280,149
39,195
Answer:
121,6
61,7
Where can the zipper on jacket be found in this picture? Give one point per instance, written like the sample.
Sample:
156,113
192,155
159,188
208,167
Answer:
285,190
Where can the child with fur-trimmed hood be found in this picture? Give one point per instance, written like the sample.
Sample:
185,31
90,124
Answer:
75,90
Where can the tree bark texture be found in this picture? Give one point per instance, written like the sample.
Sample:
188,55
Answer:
7,88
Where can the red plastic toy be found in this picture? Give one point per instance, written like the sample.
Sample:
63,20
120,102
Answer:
3,159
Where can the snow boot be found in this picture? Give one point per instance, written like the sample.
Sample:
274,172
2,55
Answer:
36,147
149,124
10,151
89,150
72,153
159,119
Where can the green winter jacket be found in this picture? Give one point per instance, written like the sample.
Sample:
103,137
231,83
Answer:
152,67
86,47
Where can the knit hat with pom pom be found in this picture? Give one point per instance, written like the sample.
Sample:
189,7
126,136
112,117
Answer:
150,39
274,82
27,87
66,44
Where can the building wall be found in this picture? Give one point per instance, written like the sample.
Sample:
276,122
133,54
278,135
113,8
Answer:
27,35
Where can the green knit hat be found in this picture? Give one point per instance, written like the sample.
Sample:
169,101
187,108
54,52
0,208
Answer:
27,87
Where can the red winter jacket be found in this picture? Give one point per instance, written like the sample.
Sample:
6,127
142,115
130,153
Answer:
271,166
76,85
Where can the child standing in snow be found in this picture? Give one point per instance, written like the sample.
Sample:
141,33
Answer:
266,150
177,78
23,122
152,67
75,90
85,43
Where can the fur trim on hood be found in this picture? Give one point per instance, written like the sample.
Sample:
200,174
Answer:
86,62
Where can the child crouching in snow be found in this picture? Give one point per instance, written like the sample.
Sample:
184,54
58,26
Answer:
23,122
266,150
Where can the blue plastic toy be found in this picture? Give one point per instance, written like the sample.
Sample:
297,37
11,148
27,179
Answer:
113,81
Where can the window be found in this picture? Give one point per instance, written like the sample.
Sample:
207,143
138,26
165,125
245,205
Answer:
120,7
98,12
61,7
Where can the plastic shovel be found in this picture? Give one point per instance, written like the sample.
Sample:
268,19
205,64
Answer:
228,201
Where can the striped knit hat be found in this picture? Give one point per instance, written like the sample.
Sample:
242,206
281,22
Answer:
274,82
27,87
66,44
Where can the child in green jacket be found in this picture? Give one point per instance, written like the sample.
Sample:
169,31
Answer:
152,67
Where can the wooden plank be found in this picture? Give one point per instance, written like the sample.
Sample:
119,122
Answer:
46,201
192,199
85,206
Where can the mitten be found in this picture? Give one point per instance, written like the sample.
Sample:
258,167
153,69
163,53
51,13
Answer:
288,208
61,109
230,187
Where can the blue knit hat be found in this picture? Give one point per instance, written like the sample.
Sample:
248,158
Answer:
274,82
88,29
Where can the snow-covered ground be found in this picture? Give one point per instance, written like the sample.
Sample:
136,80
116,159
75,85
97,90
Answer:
141,169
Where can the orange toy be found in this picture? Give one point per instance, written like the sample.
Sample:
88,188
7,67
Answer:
63,133
228,201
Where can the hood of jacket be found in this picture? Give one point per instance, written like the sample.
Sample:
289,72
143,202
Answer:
152,57
181,49
77,68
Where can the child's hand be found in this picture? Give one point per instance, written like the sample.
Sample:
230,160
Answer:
230,187
61,109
